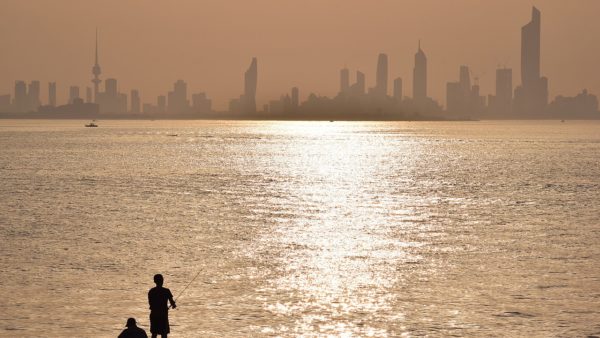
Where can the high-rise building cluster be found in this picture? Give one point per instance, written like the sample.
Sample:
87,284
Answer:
461,96
108,102
530,99
27,96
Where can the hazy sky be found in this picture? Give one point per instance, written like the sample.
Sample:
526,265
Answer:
148,45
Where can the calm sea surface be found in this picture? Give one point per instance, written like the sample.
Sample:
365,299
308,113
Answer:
311,229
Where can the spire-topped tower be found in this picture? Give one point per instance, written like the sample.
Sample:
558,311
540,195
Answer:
96,71
420,75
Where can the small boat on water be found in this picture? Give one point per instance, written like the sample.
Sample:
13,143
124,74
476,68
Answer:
91,124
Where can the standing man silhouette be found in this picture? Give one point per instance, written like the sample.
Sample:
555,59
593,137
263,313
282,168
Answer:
159,311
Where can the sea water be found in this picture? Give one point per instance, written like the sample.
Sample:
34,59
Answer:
373,229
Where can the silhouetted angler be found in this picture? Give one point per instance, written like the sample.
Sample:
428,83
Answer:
159,310
132,331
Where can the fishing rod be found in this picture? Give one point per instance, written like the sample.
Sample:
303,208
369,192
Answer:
176,298
190,283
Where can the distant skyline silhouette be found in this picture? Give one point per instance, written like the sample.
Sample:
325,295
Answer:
114,97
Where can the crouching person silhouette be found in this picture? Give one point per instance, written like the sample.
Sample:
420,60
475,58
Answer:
159,310
132,330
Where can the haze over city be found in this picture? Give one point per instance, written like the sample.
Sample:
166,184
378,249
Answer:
298,44
286,168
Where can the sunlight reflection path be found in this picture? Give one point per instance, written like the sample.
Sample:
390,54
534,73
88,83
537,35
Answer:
338,258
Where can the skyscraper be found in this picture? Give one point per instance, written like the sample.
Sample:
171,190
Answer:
52,94
477,102
135,101
459,96
420,76
504,87
465,80
358,88
344,80
531,97
20,100
161,103
177,101
398,89
454,98
250,84
96,71
381,77
33,96
530,49
295,97
201,103
73,93
110,87
111,101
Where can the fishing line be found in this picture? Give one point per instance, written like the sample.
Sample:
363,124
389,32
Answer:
190,283
140,324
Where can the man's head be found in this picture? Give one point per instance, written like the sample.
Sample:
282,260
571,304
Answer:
158,279
131,323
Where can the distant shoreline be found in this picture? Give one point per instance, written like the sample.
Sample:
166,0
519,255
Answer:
228,117
225,117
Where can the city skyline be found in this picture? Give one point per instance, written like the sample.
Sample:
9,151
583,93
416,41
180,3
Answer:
299,58
464,99
300,168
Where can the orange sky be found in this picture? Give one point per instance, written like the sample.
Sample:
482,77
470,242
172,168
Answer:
148,45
